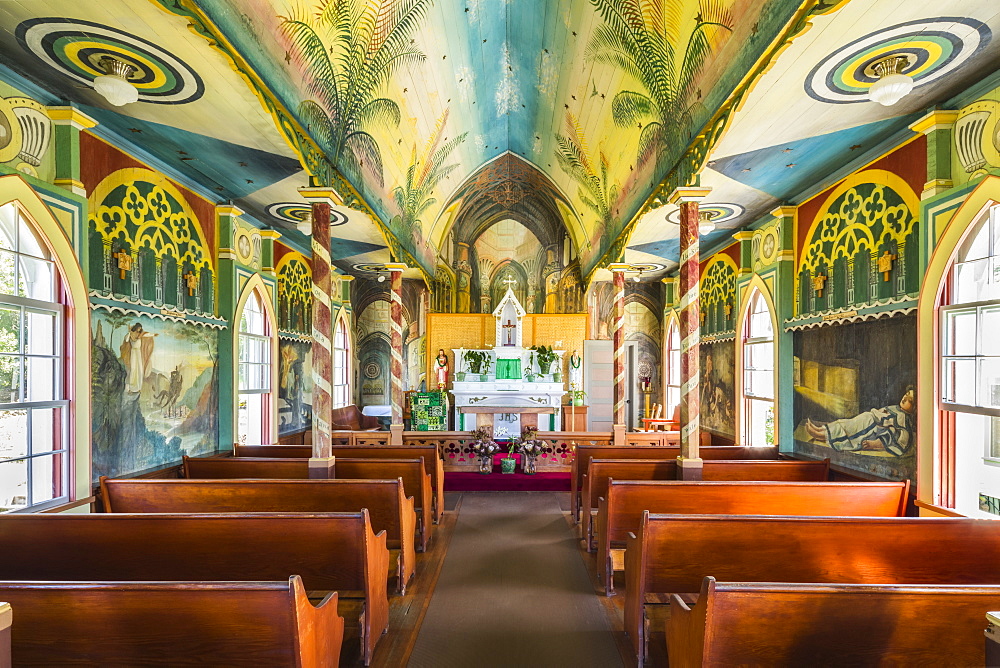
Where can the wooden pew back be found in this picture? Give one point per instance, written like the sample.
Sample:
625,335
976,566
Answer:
416,483
262,468
622,511
276,451
584,453
777,624
672,554
172,624
388,511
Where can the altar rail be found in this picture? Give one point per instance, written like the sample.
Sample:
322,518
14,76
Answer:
454,445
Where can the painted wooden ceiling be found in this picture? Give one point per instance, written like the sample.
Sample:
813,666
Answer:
413,101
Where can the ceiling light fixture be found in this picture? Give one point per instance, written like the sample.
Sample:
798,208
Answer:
114,84
381,277
637,277
705,224
892,84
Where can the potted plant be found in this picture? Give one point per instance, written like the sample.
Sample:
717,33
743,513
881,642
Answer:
576,397
484,447
530,448
474,360
508,464
546,356
529,373
487,361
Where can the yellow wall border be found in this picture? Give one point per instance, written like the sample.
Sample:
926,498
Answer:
13,188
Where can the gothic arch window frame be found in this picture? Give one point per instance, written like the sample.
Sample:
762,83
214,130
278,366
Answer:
260,358
343,362
71,338
756,292
671,364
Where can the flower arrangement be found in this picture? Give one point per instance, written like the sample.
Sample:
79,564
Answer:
484,445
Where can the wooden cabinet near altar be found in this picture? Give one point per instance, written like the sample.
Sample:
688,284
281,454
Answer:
574,418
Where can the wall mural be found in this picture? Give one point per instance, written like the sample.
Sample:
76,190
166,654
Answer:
718,388
147,246
155,391
25,135
855,395
295,385
977,139
717,295
294,293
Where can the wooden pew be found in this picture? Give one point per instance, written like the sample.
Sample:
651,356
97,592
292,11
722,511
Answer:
5,619
621,512
172,624
671,554
433,463
388,508
257,468
416,483
595,482
584,453
779,624
362,556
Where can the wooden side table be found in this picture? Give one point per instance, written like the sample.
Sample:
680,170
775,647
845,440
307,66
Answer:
574,418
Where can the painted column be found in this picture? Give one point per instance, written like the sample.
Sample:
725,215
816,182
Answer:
784,305
67,123
268,237
620,422
396,367
322,200
225,225
463,279
689,461
937,125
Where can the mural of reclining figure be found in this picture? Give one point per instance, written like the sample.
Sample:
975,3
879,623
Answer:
890,429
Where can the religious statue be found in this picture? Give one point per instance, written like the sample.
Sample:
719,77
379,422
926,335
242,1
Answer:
817,282
575,371
124,262
136,351
508,331
441,369
191,280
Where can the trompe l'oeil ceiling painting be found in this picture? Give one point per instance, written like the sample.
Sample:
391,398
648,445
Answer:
424,114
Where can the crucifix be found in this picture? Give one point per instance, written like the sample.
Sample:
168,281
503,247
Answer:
509,330
510,281
124,262
192,282
885,264
817,283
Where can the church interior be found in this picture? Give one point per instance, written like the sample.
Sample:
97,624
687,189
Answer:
499,332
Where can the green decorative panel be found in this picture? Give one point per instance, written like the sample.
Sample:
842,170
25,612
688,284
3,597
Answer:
718,296
428,411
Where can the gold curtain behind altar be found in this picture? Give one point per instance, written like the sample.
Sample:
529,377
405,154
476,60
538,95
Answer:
478,330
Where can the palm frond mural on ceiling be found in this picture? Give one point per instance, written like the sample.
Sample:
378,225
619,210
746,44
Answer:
414,198
661,44
350,50
598,191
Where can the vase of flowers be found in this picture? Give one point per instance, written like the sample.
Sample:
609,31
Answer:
484,447
529,447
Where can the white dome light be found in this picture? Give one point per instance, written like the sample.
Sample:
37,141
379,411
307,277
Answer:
892,85
114,84
705,224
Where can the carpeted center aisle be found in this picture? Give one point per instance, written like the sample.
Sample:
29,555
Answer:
514,591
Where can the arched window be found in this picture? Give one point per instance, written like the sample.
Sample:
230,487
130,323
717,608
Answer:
255,373
672,395
969,371
34,405
758,373
341,366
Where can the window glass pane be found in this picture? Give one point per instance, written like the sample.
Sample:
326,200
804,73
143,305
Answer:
958,381
13,485
993,447
989,330
10,329
10,378
39,332
40,378
13,434
251,418
46,478
36,279
28,243
8,278
960,332
977,246
970,281
46,430
8,226
989,374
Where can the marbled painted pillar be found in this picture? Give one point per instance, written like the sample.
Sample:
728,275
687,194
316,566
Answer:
396,366
322,322
690,276
618,339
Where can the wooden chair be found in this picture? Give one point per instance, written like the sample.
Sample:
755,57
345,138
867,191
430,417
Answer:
172,624
621,512
779,624
672,554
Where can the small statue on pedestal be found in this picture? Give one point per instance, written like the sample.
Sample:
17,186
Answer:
575,371
441,369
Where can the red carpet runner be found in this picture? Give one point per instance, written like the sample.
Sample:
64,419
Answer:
457,481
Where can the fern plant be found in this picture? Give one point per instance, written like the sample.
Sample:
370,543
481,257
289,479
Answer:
350,49
662,44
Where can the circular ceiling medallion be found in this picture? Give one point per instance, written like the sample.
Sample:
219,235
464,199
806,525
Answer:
370,267
297,212
76,47
717,213
932,48
646,267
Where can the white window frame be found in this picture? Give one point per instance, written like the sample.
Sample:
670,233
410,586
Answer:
672,355
747,340
58,402
341,365
264,367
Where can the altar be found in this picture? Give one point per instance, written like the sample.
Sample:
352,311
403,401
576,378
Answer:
525,387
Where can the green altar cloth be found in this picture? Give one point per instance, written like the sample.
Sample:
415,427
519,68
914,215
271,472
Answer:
508,369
